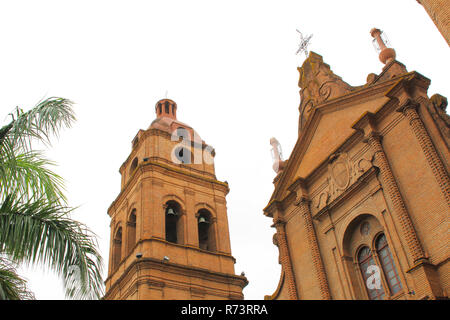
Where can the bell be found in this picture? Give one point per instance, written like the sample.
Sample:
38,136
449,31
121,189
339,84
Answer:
171,212
202,220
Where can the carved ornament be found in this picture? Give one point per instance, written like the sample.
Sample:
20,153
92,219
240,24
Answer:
318,84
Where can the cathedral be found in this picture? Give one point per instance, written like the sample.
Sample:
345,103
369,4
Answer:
360,207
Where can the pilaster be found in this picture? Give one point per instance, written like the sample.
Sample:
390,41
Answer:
373,139
310,233
409,110
285,259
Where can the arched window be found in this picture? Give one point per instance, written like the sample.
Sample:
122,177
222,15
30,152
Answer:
131,231
366,265
117,248
133,165
166,107
174,230
159,107
388,265
206,239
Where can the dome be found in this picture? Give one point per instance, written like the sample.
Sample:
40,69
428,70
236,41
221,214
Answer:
166,119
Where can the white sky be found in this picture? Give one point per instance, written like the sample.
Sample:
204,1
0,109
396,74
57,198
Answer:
230,66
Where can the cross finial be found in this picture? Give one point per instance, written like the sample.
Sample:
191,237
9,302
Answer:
304,42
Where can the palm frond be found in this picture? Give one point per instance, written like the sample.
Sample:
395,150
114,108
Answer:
28,174
4,131
7,152
47,118
22,168
12,286
38,231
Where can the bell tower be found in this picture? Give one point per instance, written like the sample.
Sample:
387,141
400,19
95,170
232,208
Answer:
169,225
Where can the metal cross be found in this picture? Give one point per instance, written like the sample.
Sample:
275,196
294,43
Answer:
304,42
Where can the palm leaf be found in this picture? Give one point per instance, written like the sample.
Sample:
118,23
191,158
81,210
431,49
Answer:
12,286
28,174
38,231
47,118
24,169
4,131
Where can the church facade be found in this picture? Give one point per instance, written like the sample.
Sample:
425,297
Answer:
169,225
361,207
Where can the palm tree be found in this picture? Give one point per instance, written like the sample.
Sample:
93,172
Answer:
35,223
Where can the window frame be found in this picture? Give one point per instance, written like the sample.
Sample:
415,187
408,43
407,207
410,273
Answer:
381,264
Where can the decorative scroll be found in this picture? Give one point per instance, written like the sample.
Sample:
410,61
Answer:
342,173
318,84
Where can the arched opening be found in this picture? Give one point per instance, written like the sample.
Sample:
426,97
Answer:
166,107
359,234
131,231
206,237
388,264
174,230
133,166
117,248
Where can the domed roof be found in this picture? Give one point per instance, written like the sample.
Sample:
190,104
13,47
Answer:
167,124
167,120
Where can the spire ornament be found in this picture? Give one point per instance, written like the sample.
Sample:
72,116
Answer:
303,45
382,46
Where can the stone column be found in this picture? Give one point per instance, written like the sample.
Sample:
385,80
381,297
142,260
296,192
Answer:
311,237
435,162
285,259
393,192
439,12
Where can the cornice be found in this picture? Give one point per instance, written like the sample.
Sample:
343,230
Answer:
408,84
166,169
185,246
271,207
162,133
170,267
